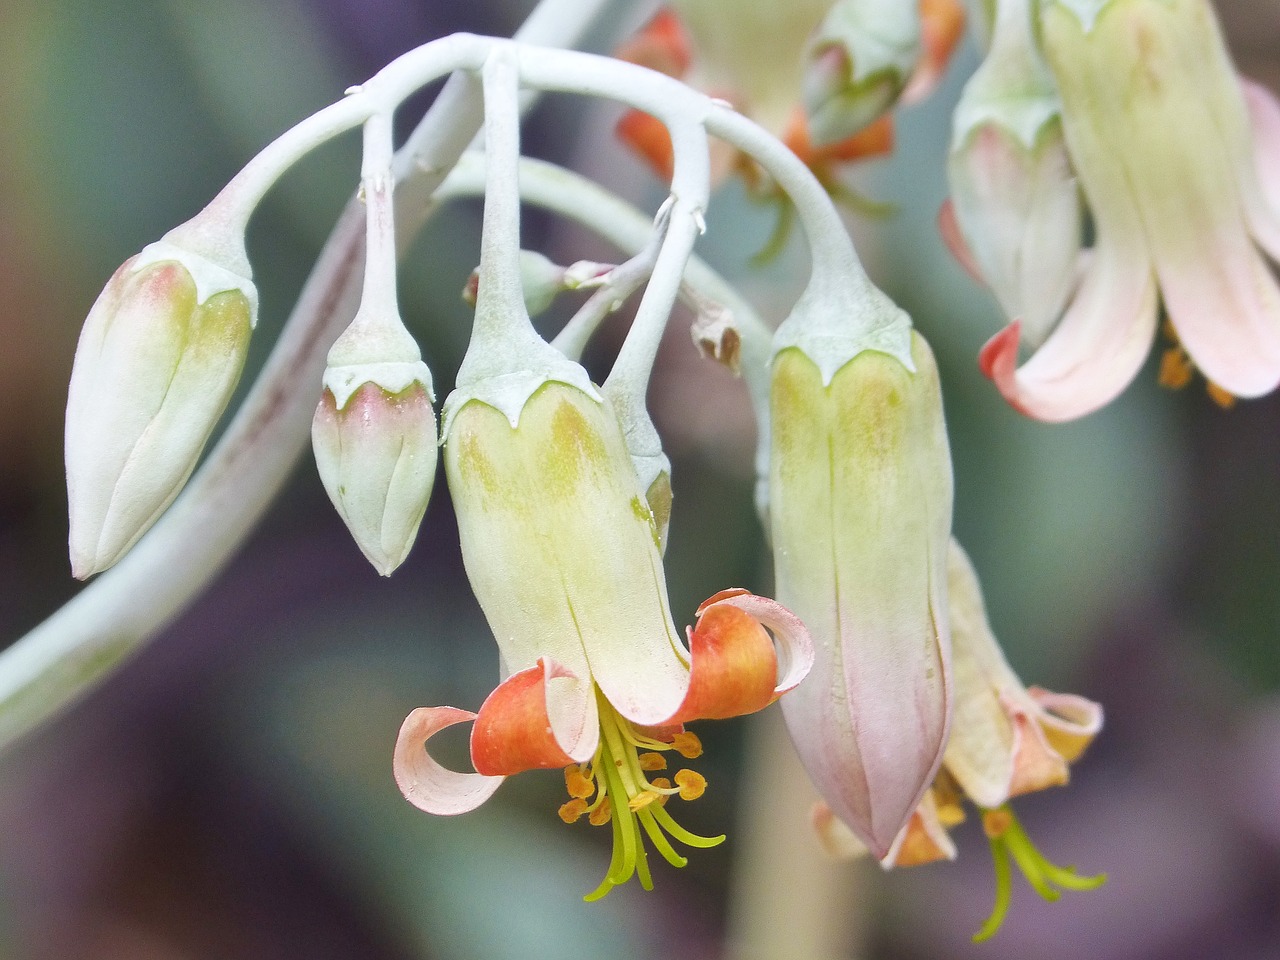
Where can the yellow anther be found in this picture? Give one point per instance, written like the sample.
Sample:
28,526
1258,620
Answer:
1222,397
687,745
1175,369
601,814
573,810
692,785
642,799
653,761
578,781
995,823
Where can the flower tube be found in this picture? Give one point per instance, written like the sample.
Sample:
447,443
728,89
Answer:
860,503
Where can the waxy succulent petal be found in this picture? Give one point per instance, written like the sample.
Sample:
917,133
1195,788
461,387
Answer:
540,718
1002,736
158,358
860,501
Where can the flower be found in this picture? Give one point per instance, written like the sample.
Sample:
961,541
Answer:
1006,740
847,61
860,504
562,551
159,356
1159,134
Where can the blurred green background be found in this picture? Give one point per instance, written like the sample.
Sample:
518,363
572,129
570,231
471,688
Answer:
228,792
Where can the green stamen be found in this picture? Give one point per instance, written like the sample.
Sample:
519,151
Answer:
1008,840
617,773
1004,893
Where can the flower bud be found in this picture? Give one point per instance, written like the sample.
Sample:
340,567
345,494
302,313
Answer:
541,281
860,505
159,355
859,62
1013,190
376,451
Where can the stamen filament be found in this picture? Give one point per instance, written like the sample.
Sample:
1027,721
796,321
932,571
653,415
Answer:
626,797
1004,892
1008,840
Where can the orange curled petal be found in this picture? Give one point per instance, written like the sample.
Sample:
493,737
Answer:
732,666
795,647
424,782
661,45
923,840
648,137
513,731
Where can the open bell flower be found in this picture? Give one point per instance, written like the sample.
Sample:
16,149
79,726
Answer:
860,493
1006,740
158,358
562,551
1160,136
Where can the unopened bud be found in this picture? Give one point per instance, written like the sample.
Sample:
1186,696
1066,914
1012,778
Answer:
376,451
158,358
541,281
859,63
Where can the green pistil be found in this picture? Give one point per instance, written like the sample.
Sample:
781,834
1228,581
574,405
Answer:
1009,840
619,776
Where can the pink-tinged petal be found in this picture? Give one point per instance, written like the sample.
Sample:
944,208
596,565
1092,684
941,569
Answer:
1097,348
1034,764
794,645
424,782
538,719
1263,203
1070,722
953,237
1223,301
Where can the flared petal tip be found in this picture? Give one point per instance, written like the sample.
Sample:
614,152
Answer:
426,784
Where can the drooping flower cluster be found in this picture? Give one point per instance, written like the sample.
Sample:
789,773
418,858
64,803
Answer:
1134,107
560,485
